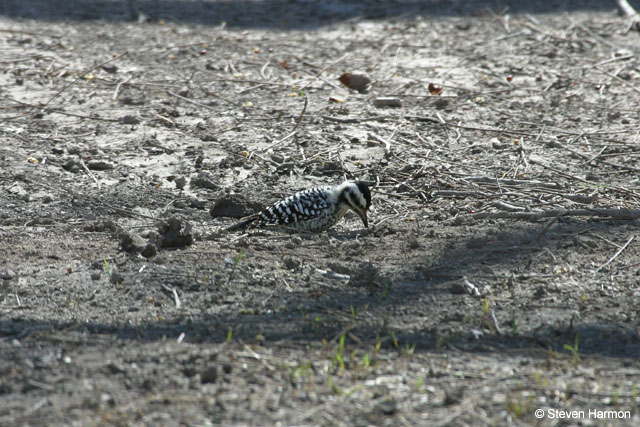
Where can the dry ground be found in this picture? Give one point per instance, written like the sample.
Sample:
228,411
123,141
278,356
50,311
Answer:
500,274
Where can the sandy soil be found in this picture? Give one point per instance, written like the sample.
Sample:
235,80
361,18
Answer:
500,273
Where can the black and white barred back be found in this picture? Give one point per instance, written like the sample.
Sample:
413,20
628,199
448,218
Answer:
315,209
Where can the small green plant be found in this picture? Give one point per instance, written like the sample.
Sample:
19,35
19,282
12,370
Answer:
418,383
409,349
302,370
333,387
340,352
378,344
366,362
574,350
106,266
234,266
385,290
229,334
395,341
553,354
539,381
485,322
354,312
109,271
515,408
442,341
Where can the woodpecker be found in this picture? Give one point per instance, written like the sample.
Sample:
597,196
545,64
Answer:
315,209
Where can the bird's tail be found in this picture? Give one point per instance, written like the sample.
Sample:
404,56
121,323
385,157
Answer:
243,223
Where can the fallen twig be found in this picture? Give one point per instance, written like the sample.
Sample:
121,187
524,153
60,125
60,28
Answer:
84,166
626,9
515,182
387,143
199,104
295,128
355,119
613,213
618,252
55,95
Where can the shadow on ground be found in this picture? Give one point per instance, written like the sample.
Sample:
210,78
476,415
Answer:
281,14
424,291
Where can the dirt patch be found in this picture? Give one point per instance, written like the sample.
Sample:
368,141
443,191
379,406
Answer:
500,273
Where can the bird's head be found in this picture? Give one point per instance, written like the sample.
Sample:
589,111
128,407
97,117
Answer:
357,196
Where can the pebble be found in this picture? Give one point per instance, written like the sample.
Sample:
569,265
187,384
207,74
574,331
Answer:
99,165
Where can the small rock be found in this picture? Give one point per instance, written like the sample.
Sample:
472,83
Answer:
131,242
127,100
387,407
149,251
72,165
453,396
203,180
175,233
292,263
19,191
116,368
384,101
180,182
95,275
99,165
108,399
278,158
209,375
116,278
294,242
441,103
7,275
148,384
197,203
110,68
129,120
233,206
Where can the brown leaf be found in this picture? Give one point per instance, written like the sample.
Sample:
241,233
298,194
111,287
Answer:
356,81
435,89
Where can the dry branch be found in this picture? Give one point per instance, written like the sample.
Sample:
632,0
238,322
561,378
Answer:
81,76
612,213
626,9
618,252
501,181
295,128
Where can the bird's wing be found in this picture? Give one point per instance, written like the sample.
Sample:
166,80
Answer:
302,206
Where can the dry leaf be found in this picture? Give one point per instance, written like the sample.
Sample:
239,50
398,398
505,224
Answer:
435,89
356,81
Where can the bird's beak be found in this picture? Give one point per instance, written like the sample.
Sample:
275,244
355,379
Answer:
363,216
